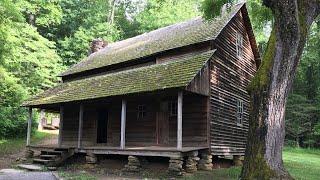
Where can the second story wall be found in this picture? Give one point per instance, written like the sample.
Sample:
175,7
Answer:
231,72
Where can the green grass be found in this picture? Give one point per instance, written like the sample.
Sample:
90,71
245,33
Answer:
76,176
302,164
10,146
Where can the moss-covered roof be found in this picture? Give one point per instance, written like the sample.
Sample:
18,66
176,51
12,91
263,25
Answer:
173,74
170,37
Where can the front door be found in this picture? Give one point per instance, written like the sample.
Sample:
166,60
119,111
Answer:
102,126
162,125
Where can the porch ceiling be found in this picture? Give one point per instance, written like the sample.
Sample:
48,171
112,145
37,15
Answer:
173,74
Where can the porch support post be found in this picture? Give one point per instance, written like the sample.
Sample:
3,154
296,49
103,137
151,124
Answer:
61,125
29,126
179,119
123,123
80,126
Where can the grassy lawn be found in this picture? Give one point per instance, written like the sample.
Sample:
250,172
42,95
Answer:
303,164
10,146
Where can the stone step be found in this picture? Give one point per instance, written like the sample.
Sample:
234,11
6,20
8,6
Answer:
48,156
52,152
61,149
42,161
30,167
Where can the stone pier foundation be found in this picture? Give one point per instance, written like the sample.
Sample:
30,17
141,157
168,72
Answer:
175,167
134,164
29,153
237,161
192,162
91,158
205,162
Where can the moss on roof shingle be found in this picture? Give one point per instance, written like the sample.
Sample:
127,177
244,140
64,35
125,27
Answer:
174,36
173,74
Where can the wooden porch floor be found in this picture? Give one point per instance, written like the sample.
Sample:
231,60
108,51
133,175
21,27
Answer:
129,150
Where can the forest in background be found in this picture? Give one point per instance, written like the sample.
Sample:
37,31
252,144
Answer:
39,39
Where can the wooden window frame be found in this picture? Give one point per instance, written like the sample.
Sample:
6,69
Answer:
239,45
141,111
173,108
239,114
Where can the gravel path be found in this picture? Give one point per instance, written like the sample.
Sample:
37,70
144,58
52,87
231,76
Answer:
11,174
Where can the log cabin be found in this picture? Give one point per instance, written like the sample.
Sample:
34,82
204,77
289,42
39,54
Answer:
177,92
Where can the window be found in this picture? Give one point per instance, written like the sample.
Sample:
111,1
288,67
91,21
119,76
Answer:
173,108
239,112
141,111
239,45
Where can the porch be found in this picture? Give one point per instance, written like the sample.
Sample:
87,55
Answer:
167,124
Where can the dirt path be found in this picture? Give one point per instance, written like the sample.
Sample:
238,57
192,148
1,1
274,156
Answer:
7,160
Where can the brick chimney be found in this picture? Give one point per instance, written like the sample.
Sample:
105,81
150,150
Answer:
97,44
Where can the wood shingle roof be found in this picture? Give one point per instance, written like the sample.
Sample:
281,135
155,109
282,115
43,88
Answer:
173,74
178,35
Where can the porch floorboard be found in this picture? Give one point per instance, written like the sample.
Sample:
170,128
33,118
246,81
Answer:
130,150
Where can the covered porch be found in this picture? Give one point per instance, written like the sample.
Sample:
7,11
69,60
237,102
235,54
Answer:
168,124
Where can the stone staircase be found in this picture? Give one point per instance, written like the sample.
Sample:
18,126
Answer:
54,157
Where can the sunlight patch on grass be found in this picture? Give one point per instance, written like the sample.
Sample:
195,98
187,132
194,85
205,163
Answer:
10,146
302,164
3,141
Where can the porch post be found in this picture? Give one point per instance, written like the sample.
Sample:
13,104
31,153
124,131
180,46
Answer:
123,123
80,126
29,126
61,125
179,119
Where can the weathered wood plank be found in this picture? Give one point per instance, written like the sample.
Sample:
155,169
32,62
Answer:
29,126
61,126
179,121
80,126
123,123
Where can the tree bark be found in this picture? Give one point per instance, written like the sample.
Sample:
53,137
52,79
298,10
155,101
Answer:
270,87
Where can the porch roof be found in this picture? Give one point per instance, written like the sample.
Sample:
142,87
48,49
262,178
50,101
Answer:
174,36
173,74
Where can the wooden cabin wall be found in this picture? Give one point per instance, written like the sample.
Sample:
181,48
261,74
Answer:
190,50
141,131
194,122
70,127
230,76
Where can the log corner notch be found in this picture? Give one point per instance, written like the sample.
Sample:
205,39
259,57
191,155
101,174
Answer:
270,87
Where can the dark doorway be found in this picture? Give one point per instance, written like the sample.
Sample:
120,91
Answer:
102,126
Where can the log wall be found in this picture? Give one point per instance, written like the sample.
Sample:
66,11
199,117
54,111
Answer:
230,76
140,131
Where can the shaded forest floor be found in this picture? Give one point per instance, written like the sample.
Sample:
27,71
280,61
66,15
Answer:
303,164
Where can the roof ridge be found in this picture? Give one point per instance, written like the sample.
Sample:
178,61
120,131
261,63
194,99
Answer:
174,36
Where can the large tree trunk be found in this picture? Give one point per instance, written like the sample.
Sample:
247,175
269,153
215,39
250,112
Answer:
270,87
